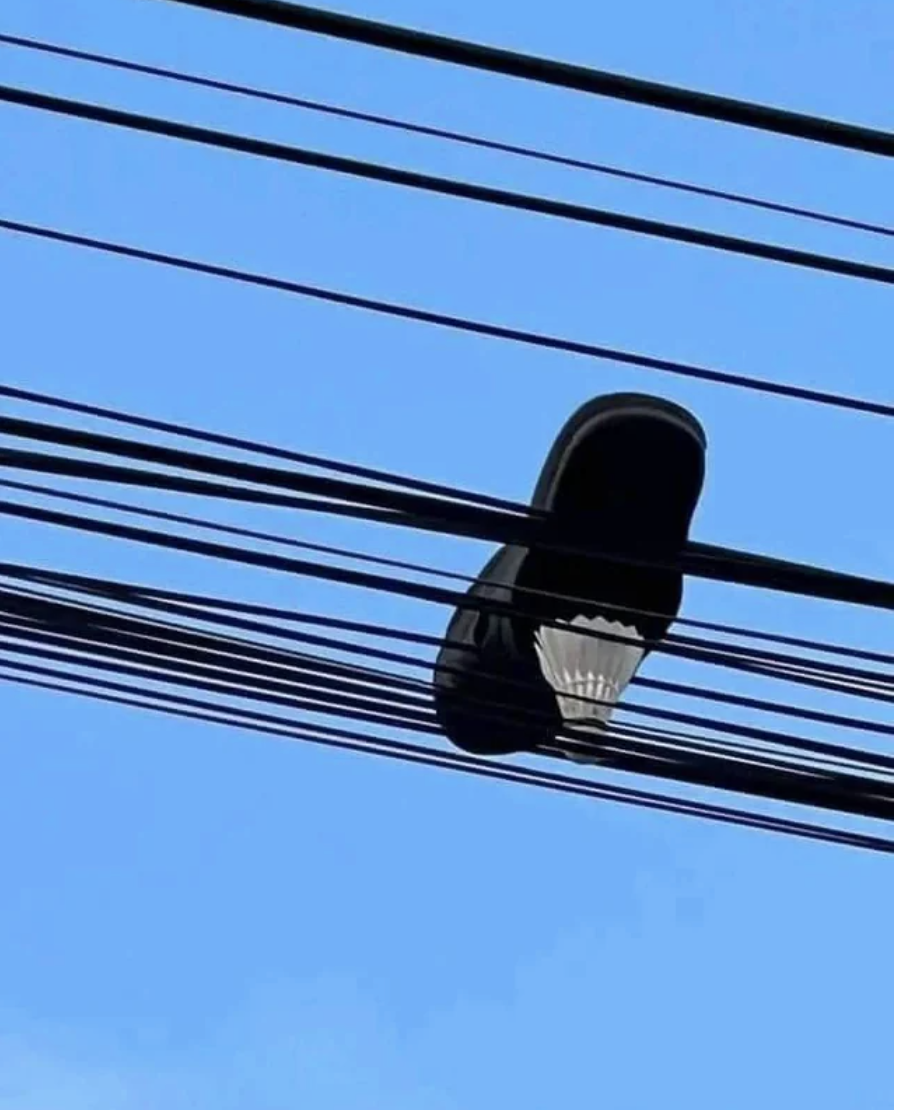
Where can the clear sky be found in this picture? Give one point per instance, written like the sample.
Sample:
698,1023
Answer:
200,917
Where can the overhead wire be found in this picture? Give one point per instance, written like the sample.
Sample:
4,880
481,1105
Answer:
525,527
743,775
876,687
216,607
817,673
122,641
450,187
365,744
304,17
450,321
409,127
402,481
624,749
288,541
697,760
623,741
505,687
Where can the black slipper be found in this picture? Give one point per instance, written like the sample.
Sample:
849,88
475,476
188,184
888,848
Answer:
625,472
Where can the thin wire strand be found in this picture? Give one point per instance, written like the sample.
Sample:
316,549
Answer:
400,564
845,793
427,513
409,127
152,626
669,687
320,462
443,186
454,323
549,71
726,655
363,743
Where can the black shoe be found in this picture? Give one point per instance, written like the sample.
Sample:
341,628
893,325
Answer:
625,472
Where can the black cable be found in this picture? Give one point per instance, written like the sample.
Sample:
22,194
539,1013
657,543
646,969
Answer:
402,481
318,462
409,127
443,515
419,568
317,701
849,794
855,681
856,756
190,654
386,36
455,323
100,616
346,576
669,687
154,597
363,743
444,186
634,757
783,661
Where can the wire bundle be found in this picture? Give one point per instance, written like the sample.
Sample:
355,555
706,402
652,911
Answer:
653,738
310,676
154,660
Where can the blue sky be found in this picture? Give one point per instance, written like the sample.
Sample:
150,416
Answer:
201,917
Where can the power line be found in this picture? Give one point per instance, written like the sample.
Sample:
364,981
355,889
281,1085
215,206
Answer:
333,689
218,610
235,648
639,681
563,74
419,568
363,743
862,796
727,656
202,658
843,679
304,458
409,127
455,323
443,515
407,660
443,186
403,481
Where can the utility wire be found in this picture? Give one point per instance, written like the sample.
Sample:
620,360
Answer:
462,138
399,564
654,684
304,17
366,651
677,758
403,481
622,750
216,608
862,682
318,462
366,744
455,323
203,656
243,657
741,660
430,183
443,515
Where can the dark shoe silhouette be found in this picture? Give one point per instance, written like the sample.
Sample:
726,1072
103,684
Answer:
625,473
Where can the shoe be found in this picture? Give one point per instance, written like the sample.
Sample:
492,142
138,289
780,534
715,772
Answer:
625,473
